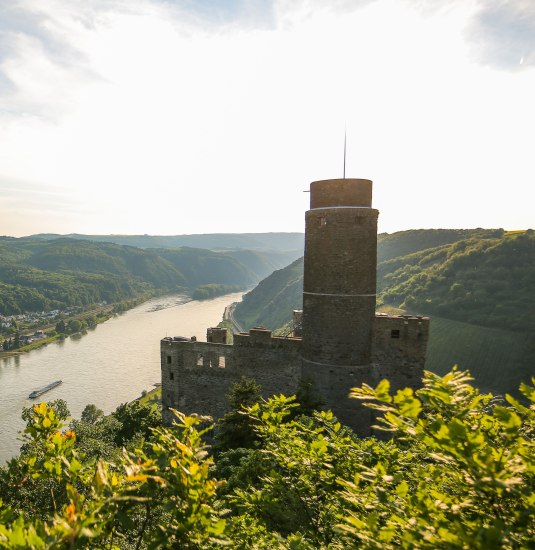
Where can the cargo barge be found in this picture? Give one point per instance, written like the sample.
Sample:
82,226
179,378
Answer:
40,391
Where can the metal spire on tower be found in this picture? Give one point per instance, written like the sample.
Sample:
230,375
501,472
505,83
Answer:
345,142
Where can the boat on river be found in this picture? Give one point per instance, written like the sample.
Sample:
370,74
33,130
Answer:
40,391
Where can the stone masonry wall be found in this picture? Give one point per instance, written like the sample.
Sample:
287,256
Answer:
196,376
399,348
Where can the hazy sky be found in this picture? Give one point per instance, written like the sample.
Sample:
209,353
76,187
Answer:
184,116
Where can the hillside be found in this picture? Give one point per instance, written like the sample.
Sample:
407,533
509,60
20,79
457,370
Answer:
201,267
478,285
479,279
483,281
499,360
263,263
271,302
401,243
39,274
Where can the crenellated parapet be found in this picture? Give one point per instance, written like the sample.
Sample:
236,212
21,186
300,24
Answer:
196,376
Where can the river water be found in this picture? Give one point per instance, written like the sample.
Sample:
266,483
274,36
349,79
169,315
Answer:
111,364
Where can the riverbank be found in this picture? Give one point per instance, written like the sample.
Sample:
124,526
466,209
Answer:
6,354
98,315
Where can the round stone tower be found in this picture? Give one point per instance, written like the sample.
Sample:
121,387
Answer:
340,273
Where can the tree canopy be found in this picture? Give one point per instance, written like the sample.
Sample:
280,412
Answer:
457,470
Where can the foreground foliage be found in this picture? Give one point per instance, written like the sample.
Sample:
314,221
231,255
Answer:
458,471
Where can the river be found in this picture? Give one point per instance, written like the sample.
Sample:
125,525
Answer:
111,364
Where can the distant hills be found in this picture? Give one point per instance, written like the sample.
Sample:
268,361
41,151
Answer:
41,273
280,242
477,281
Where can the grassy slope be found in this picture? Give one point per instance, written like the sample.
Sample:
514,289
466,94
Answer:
498,359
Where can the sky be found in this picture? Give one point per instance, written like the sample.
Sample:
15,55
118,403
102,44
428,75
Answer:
179,116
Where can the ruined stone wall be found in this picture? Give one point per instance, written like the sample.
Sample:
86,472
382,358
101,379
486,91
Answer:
192,379
196,376
399,348
333,384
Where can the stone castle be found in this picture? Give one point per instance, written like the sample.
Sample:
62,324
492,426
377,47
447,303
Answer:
341,342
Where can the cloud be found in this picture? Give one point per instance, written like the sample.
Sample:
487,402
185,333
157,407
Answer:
147,110
248,13
42,66
500,33
504,33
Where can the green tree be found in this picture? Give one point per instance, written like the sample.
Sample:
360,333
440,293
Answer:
74,325
91,321
308,398
91,414
98,504
96,439
469,473
137,420
458,471
235,430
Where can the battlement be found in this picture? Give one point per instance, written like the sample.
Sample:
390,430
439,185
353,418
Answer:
260,336
216,335
402,326
341,193
197,375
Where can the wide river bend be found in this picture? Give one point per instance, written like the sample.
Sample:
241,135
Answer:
110,365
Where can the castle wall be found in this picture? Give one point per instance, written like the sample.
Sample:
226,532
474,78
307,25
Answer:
333,384
196,376
399,348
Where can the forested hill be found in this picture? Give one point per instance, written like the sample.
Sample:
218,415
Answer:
39,274
401,243
478,286
484,277
482,281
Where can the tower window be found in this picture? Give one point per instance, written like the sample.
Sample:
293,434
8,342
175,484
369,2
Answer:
200,361
171,376
169,359
322,221
394,333
222,362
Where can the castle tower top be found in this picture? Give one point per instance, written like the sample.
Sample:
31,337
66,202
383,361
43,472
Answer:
340,272
341,192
